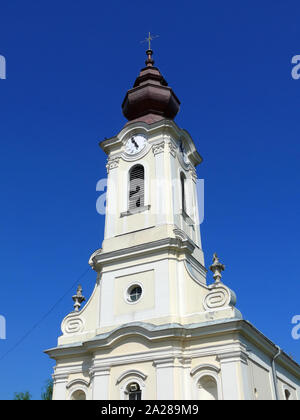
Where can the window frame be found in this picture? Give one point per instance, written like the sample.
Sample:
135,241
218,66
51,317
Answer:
206,370
133,209
128,377
127,290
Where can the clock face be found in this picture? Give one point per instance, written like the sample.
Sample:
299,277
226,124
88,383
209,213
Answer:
135,144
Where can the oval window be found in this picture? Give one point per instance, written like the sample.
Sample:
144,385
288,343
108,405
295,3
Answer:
134,293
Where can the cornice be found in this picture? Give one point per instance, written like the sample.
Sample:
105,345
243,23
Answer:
164,362
153,246
149,332
60,377
102,370
233,356
180,332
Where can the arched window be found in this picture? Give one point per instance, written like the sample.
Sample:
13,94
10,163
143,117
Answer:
134,392
182,182
78,395
287,395
136,187
208,389
132,385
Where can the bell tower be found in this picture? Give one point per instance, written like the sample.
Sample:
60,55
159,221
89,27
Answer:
151,163
152,221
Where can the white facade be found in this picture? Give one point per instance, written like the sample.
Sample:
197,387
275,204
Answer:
178,338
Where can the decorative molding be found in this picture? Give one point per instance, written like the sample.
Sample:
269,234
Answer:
72,324
132,373
233,356
99,371
196,270
165,362
179,233
158,148
91,260
78,381
243,329
204,367
217,298
151,332
112,163
193,174
185,361
60,377
172,149
174,243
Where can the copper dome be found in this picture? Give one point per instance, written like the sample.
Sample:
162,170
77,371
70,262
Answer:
150,99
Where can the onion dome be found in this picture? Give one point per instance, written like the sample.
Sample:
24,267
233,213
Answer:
150,99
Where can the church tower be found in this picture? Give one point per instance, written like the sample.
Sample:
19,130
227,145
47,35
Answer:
153,328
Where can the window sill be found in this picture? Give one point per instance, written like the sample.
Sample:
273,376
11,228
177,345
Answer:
135,211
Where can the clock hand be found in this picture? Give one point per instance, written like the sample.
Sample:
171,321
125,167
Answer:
135,143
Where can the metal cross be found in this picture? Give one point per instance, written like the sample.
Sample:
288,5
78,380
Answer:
149,39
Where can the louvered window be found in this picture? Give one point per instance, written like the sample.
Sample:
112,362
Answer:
182,181
134,392
136,187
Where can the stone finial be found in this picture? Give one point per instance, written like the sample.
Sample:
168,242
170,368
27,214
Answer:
217,268
78,298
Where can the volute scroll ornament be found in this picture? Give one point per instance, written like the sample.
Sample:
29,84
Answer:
72,324
219,296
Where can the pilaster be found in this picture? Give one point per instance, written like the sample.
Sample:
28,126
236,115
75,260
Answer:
100,382
60,381
234,371
164,378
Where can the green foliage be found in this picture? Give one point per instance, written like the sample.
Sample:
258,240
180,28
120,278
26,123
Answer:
48,390
47,393
22,396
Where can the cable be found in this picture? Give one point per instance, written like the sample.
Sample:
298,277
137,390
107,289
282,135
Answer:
44,316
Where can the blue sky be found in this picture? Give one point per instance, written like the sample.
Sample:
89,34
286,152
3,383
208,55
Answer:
69,65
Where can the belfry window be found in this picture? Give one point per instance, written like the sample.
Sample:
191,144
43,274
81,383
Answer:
182,182
136,187
134,392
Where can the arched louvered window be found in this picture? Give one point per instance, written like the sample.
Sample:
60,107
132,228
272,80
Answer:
136,187
134,392
182,182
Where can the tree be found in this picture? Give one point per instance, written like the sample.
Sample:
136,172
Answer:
22,396
48,390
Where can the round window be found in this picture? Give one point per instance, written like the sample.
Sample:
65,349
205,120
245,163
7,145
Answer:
134,293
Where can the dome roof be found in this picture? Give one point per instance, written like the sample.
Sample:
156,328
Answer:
150,99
